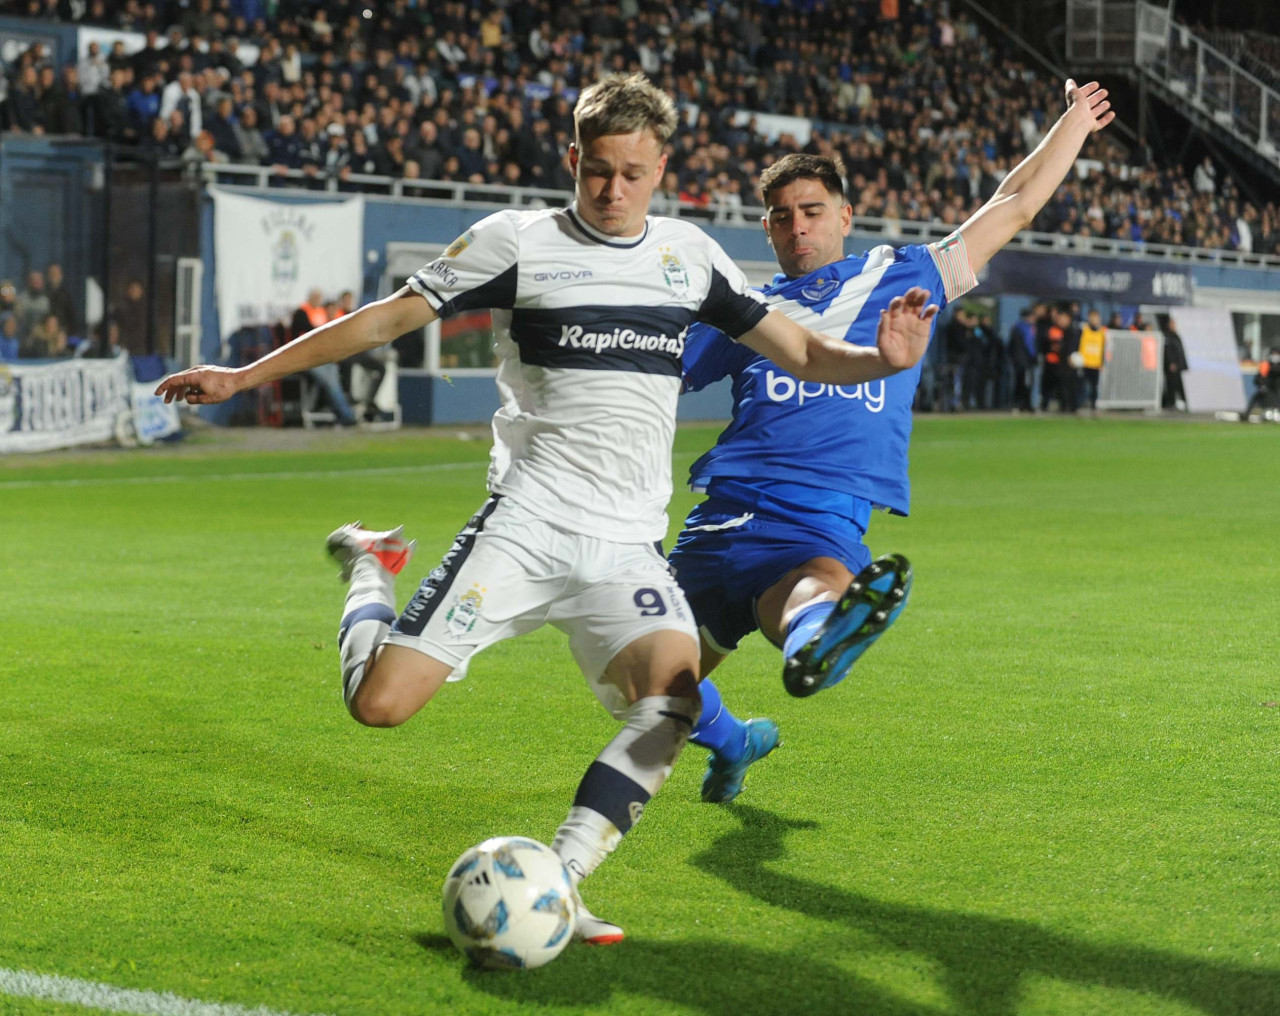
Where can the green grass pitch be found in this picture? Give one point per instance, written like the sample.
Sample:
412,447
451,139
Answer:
1052,788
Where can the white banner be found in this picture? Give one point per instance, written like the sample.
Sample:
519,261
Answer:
153,419
268,255
1213,381
56,404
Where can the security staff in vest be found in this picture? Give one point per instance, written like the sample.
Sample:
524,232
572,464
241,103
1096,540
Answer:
1093,342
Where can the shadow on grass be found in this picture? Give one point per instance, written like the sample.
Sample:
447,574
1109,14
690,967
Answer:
982,962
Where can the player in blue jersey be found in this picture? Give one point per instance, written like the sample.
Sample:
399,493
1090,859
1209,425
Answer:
792,481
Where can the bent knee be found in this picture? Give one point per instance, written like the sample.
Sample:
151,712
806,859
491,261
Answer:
372,709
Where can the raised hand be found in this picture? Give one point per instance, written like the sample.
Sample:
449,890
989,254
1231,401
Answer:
200,386
1088,104
903,333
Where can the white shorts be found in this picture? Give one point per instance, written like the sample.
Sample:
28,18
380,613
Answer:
509,572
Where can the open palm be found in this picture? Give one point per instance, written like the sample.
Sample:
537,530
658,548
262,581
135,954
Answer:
903,333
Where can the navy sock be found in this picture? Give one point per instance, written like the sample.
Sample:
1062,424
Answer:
717,728
805,624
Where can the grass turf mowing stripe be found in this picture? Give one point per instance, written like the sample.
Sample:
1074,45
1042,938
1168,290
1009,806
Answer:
109,998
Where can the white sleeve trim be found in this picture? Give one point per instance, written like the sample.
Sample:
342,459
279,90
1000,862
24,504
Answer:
952,262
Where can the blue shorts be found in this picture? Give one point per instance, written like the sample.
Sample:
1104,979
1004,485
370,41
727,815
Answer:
728,554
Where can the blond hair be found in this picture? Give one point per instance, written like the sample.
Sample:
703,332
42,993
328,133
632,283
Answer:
622,104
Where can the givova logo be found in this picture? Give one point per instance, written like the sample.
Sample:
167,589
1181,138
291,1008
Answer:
785,388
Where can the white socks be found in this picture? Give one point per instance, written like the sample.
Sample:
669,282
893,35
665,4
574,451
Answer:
619,783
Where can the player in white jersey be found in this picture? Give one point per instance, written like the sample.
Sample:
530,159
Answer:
590,308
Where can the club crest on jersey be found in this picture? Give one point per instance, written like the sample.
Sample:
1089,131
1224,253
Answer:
465,612
820,289
458,245
674,272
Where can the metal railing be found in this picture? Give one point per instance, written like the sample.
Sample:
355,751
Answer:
1196,73
455,193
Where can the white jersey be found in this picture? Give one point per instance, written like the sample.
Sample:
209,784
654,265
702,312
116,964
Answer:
589,331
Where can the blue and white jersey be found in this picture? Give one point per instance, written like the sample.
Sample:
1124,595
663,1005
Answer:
589,331
822,446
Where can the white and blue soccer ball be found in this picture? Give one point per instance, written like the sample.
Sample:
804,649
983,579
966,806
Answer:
509,904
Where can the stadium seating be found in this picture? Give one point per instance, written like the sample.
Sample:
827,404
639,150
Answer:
927,111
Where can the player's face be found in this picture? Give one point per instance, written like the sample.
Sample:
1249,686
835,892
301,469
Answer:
806,225
617,175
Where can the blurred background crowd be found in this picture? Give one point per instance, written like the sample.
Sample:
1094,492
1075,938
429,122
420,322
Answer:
927,113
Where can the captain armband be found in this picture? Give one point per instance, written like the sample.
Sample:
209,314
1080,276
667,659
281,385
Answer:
952,261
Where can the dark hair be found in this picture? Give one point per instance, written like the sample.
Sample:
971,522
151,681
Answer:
797,166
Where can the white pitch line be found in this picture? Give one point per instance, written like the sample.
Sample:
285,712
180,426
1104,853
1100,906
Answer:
302,474
107,997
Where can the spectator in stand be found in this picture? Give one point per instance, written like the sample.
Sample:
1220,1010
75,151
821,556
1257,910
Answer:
46,341
107,108
311,151
180,94
424,149
143,105
1206,177
25,114
160,143
222,125
284,146
93,70
131,317
927,129
10,338
32,304
337,155
9,304
60,301
60,101
253,144
202,150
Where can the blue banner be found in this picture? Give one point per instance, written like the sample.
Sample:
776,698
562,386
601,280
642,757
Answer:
1068,277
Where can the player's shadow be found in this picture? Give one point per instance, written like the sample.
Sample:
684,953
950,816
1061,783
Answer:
981,962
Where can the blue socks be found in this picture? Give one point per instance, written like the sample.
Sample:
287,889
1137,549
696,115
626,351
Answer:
805,624
717,728
721,731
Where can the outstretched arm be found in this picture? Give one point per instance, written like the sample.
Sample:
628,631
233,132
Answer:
371,326
1028,187
901,339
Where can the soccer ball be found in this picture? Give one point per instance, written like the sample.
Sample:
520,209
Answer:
509,903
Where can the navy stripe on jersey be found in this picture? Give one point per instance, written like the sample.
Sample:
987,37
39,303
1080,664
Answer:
499,293
436,586
645,340
730,311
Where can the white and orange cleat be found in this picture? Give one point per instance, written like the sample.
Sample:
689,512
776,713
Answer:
592,930
347,543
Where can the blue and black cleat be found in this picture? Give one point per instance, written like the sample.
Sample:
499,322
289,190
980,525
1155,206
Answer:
723,779
872,602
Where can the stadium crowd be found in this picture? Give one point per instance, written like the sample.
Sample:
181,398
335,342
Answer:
926,112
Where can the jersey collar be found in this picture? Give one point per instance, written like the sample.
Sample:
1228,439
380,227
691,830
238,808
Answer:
604,238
